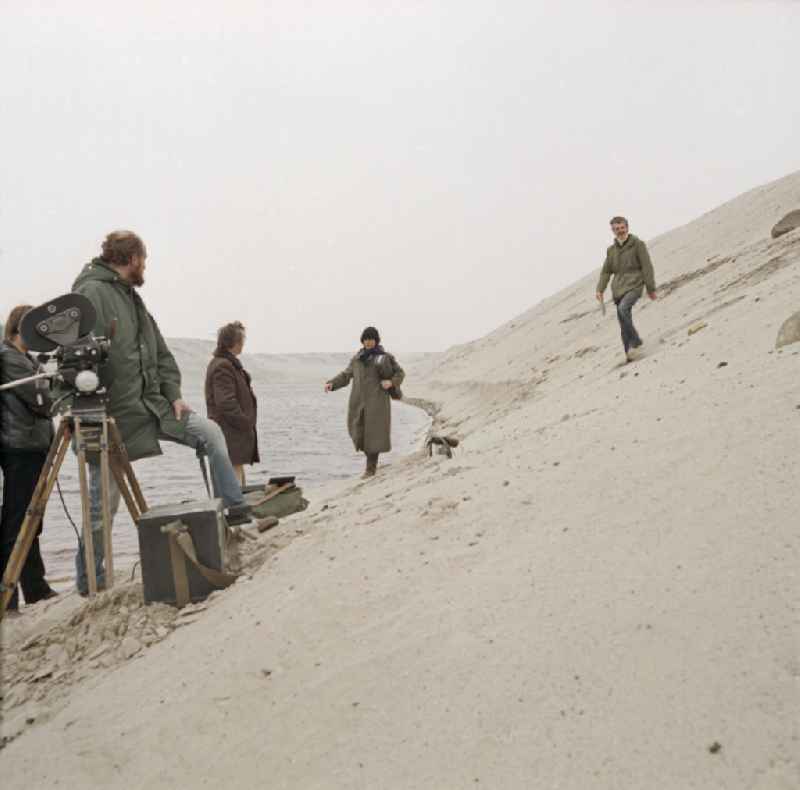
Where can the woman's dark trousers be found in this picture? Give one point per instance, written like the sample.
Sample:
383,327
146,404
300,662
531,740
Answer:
21,471
630,337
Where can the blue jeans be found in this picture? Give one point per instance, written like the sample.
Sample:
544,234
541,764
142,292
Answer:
630,337
201,434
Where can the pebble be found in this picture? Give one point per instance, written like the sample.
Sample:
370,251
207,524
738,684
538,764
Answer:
694,328
57,654
130,647
31,642
186,620
17,695
44,672
98,652
191,609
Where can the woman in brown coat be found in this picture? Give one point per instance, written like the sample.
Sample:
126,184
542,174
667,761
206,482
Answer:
230,399
376,377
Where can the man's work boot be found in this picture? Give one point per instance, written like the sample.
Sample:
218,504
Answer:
239,514
372,466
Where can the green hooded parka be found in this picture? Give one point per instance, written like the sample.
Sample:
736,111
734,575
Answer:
141,375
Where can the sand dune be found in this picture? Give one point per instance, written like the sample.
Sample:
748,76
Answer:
599,591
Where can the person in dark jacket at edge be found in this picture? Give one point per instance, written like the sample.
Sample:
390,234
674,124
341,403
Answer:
230,400
26,432
628,260
144,386
375,374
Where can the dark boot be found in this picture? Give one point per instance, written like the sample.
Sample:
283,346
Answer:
41,595
239,514
32,579
372,465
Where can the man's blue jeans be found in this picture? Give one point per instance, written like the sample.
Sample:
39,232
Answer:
200,433
630,337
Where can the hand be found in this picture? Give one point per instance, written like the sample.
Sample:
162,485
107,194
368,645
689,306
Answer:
387,384
328,387
652,295
179,407
599,296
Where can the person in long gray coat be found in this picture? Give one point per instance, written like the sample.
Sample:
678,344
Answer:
376,377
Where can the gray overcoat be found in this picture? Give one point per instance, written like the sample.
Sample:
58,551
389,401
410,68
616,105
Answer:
369,413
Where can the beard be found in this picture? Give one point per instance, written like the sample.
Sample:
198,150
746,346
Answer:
136,276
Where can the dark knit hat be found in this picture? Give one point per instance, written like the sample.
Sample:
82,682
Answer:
370,333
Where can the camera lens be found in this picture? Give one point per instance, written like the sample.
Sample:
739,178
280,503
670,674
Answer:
87,381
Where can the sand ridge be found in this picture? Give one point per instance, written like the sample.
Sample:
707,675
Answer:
599,590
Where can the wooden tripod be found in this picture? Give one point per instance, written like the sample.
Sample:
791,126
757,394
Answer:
91,429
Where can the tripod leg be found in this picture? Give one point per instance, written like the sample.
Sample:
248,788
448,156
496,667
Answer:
122,484
88,540
27,532
105,484
125,465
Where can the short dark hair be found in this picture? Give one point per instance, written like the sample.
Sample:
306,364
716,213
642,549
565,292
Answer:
14,320
615,220
370,333
120,246
229,335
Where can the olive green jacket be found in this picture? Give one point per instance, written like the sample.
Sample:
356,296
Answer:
631,266
141,375
369,413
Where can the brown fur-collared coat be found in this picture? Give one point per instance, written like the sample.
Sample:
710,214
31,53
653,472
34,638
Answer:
231,403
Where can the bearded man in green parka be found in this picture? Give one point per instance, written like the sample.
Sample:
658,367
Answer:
144,385
376,377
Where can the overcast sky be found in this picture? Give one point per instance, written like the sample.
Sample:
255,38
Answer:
431,168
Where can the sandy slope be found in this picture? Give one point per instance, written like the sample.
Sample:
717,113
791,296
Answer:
599,588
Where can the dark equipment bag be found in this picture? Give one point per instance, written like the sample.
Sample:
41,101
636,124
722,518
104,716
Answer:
183,552
279,498
444,444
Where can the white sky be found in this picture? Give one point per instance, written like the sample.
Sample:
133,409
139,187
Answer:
431,168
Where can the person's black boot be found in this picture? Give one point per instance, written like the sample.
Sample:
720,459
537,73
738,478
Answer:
372,465
41,595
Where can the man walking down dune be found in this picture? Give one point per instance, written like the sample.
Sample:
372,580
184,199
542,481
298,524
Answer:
628,260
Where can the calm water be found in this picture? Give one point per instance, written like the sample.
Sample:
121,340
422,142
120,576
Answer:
302,431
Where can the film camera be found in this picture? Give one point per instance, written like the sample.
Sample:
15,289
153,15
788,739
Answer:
61,330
